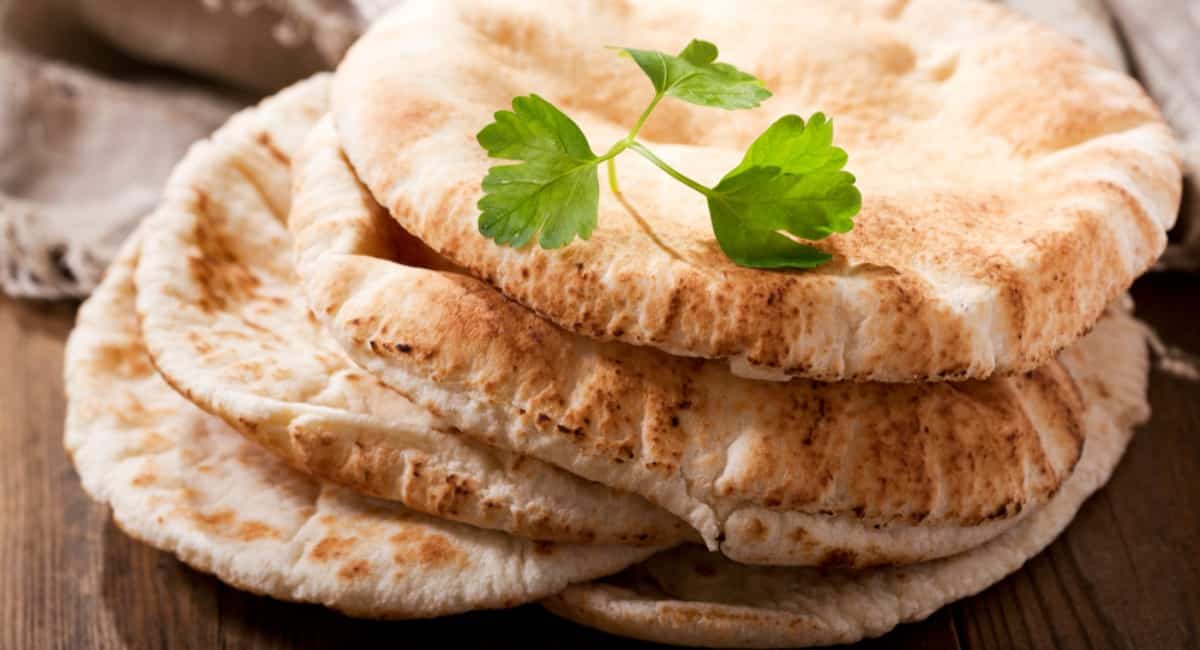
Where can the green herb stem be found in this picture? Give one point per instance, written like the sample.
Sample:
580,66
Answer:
624,143
612,179
643,117
671,171
637,217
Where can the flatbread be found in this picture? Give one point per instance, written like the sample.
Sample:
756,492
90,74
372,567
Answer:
182,481
1013,185
691,597
228,326
797,473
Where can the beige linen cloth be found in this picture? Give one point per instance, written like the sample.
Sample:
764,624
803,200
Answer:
99,98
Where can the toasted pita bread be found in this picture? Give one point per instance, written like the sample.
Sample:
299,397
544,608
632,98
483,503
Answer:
797,473
228,326
180,480
690,597
991,235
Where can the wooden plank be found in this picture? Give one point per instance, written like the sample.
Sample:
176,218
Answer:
1155,498
38,564
68,577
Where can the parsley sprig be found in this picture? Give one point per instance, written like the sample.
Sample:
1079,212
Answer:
789,186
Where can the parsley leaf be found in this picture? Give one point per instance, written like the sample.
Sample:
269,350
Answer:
795,147
694,76
790,180
790,184
555,192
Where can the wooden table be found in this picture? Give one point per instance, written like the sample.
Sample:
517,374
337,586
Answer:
1125,575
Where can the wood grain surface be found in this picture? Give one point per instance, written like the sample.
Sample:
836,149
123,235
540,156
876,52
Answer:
1125,575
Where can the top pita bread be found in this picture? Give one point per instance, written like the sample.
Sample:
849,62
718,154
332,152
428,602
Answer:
180,480
1013,185
776,473
685,596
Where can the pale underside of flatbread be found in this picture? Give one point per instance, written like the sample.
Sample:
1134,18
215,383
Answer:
688,596
182,481
1012,183
801,473
228,326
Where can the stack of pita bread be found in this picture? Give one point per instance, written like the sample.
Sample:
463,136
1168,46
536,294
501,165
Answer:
310,375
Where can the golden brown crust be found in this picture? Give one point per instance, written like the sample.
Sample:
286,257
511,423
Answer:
688,597
179,480
964,452
846,474
229,328
1013,186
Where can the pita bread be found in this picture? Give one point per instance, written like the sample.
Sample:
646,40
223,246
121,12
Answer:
990,237
797,473
687,596
228,326
180,480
